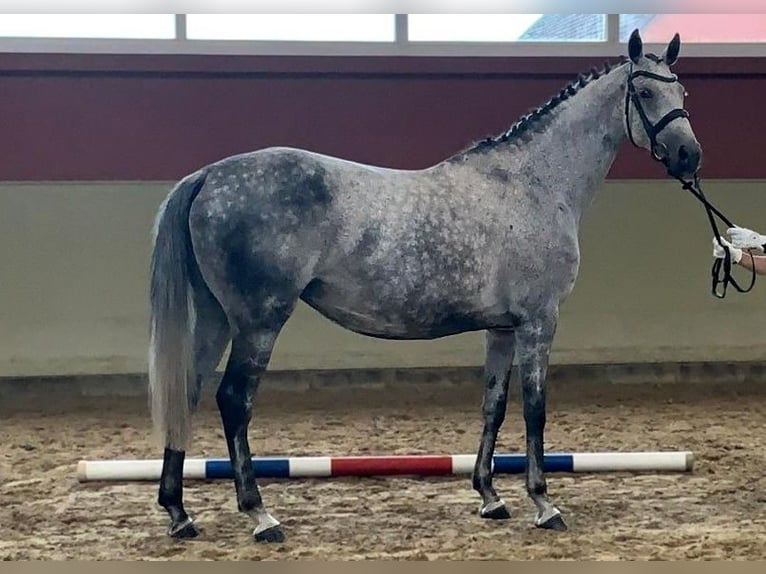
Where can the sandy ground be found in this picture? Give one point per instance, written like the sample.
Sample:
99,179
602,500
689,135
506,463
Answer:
717,511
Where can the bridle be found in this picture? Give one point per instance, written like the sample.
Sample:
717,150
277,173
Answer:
652,130
659,153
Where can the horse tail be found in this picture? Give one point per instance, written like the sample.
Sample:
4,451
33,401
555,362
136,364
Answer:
172,315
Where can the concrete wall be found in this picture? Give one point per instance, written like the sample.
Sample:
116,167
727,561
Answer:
73,276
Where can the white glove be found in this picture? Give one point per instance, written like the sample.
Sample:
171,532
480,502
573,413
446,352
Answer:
719,253
744,238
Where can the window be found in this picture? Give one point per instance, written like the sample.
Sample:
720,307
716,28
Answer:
506,27
427,35
695,28
295,27
142,26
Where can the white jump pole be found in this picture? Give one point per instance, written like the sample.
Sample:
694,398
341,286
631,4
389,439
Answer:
411,465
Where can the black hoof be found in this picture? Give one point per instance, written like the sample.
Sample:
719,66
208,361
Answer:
495,512
185,530
273,534
554,523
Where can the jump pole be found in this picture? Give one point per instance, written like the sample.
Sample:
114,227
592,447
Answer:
397,465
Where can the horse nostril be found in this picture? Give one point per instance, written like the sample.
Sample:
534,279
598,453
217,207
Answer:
689,158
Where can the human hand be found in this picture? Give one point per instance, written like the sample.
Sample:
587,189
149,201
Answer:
744,238
720,253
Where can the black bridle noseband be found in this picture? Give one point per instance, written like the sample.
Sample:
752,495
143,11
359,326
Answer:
659,153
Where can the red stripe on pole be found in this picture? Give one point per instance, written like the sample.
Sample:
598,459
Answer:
390,465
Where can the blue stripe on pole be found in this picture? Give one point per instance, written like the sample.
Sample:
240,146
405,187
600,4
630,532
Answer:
263,467
514,463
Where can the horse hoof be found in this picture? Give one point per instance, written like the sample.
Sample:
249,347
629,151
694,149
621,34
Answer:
495,511
183,530
273,534
555,522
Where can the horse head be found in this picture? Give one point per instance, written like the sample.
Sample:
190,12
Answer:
655,118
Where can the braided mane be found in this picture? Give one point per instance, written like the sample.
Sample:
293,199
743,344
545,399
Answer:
534,121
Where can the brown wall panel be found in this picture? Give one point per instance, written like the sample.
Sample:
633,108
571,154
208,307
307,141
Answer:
86,117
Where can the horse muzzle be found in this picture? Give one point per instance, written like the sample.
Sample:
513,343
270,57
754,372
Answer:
687,160
684,161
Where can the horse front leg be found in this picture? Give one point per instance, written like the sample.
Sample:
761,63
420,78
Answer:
534,340
497,374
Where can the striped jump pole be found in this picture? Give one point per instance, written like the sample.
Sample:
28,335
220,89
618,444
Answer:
401,465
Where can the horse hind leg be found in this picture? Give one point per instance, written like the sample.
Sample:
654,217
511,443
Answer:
211,334
251,350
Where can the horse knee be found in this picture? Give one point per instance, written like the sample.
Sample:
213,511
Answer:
534,402
494,417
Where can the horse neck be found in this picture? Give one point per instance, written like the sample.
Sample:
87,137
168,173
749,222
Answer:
571,156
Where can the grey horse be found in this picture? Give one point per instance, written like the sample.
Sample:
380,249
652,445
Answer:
486,239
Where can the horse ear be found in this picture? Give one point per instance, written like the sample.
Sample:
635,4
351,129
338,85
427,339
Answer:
635,46
671,52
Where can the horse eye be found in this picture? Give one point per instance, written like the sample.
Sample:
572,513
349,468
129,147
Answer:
645,93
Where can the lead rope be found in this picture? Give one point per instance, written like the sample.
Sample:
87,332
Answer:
720,265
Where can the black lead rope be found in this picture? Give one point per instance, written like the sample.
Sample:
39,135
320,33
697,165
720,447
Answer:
721,271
